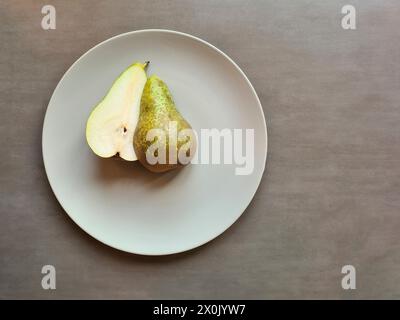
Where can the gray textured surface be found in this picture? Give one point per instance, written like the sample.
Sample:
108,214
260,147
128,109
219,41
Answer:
331,192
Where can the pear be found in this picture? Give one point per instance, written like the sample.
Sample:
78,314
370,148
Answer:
163,139
111,124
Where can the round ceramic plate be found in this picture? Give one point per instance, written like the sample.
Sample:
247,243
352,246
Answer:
122,204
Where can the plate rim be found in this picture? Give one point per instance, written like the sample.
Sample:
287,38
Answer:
200,243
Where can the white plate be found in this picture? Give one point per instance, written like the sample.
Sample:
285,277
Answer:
120,203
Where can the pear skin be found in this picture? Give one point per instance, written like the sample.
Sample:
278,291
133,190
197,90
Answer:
161,131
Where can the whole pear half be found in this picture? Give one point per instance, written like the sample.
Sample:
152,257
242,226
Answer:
153,135
111,124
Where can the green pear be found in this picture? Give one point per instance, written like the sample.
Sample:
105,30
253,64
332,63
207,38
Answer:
163,139
111,124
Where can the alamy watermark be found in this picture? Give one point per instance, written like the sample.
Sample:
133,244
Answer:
349,20
349,280
215,146
49,19
49,278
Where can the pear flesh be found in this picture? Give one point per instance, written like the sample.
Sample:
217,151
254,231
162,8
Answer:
158,111
111,125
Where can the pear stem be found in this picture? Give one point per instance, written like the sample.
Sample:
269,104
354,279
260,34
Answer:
146,64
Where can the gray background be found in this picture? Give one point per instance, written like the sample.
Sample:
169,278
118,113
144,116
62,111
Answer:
330,195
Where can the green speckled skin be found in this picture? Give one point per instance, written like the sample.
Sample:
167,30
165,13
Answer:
157,110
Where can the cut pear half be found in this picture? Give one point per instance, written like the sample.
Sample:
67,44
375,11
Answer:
111,124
